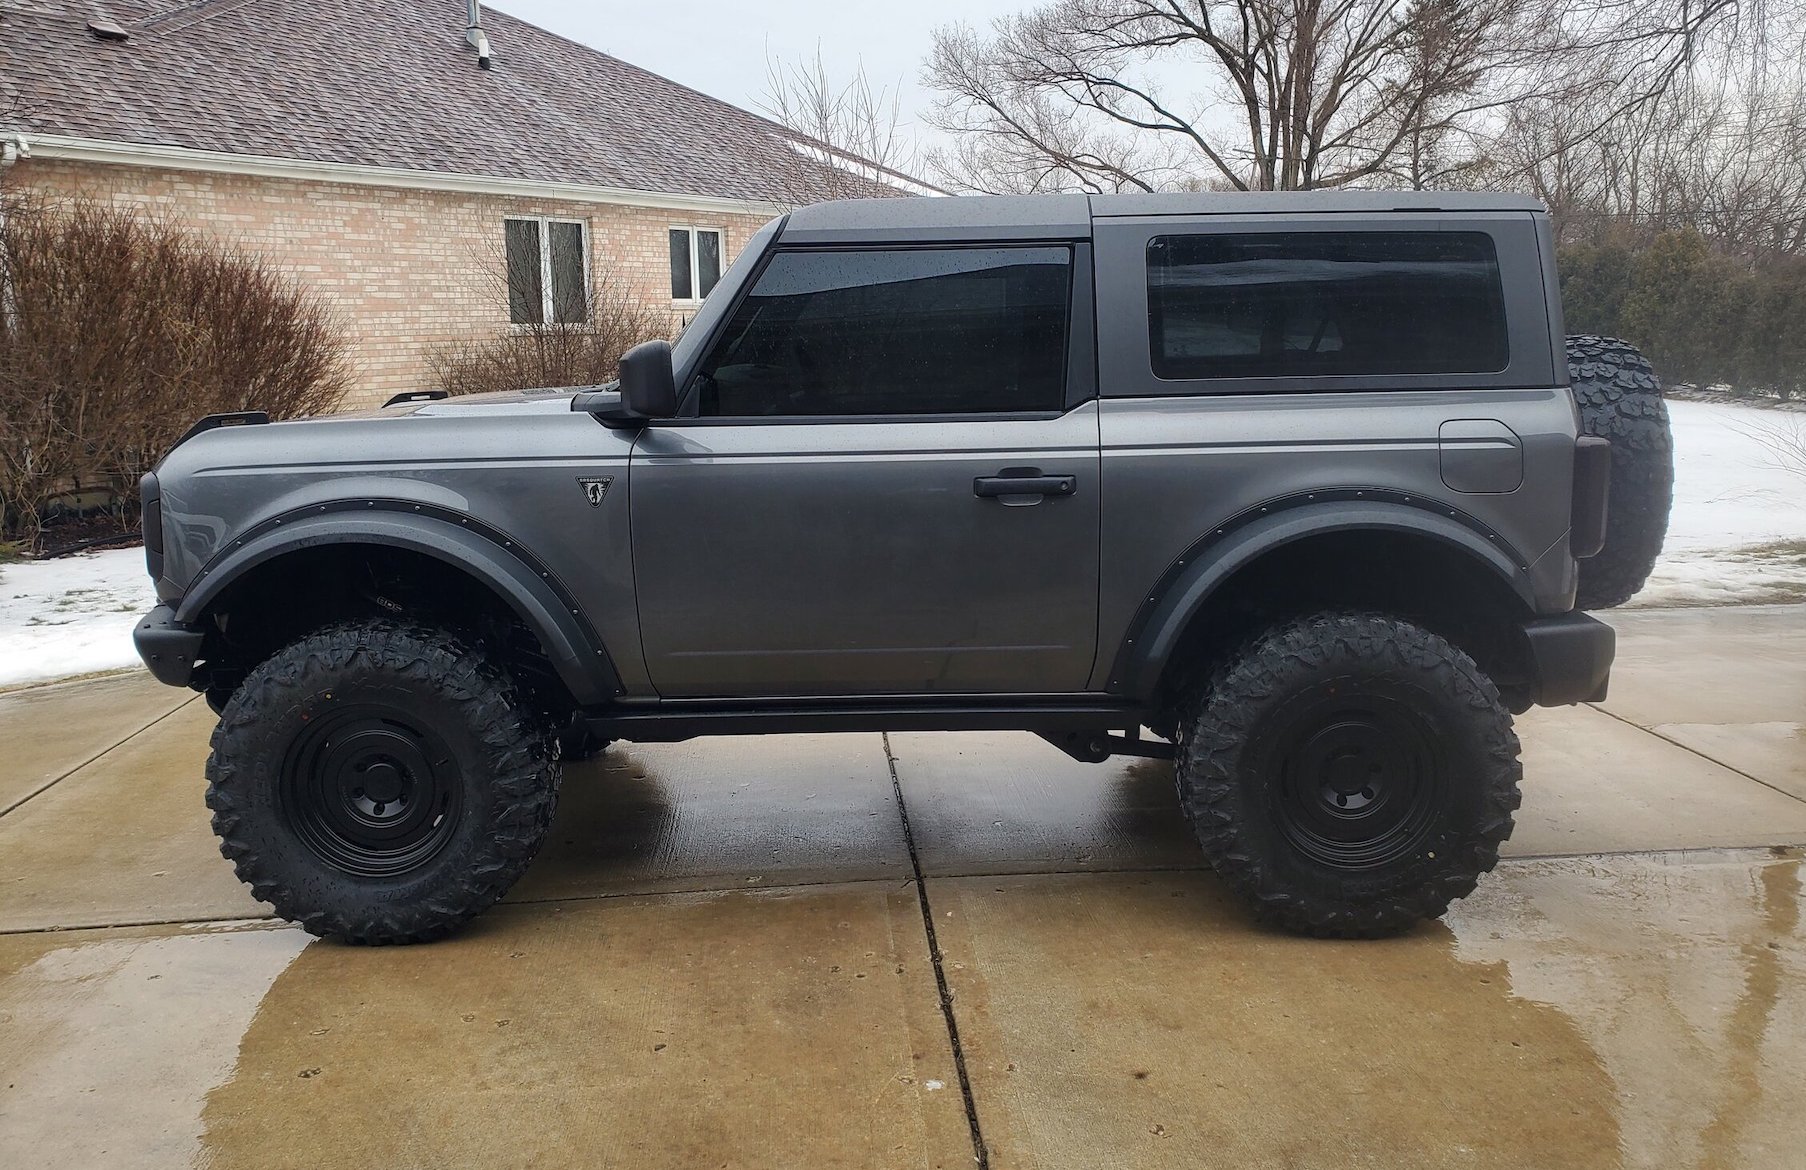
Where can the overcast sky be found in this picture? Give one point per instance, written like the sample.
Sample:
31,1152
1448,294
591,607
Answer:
720,47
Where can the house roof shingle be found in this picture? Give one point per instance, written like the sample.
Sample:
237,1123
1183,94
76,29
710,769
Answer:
383,85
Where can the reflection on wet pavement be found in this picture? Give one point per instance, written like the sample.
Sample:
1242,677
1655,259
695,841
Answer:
1643,1011
1686,974
1009,802
1140,1020
112,1043
722,813
1634,1011
754,1029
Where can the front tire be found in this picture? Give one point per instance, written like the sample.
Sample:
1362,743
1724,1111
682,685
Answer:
1349,775
380,783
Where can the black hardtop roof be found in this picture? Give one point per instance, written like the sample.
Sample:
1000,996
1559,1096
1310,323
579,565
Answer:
1039,217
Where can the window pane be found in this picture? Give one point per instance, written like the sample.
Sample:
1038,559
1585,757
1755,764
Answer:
1325,303
940,331
526,297
681,288
708,262
570,292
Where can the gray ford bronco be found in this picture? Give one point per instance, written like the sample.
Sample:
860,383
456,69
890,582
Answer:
1308,486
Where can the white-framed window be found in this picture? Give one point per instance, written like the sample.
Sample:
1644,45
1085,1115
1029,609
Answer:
695,262
548,270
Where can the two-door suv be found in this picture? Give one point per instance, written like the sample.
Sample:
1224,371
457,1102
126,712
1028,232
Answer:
1296,482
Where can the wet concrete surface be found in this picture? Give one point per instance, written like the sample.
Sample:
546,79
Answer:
721,959
1595,784
47,732
125,839
1041,812
723,814
1633,1011
1689,680
765,1029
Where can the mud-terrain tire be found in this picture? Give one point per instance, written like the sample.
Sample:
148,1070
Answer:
1620,399
380,783
1349,774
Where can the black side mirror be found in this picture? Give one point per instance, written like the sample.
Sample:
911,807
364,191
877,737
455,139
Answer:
648,386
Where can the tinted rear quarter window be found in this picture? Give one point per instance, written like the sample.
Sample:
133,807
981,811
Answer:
1316,304
896,331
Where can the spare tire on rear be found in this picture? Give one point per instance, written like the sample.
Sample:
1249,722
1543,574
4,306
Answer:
1620,399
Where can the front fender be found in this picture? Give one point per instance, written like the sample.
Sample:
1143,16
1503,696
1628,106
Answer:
461,542
1186,587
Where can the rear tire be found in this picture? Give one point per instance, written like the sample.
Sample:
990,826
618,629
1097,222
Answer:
380,783
1620,399
1349,775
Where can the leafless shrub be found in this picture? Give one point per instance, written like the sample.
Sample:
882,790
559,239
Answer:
117,332
1784,434
581,353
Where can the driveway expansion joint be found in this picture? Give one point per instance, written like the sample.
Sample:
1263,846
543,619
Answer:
1695,751
980,1155
55,780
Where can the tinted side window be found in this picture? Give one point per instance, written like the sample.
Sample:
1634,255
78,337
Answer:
1325,303
897,331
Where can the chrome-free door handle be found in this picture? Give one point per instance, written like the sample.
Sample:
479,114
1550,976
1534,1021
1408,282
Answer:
991,486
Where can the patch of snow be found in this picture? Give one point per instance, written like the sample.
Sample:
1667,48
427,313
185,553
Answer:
1732,495
71,615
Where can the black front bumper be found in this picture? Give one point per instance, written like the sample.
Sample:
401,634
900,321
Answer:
167,647
1570,658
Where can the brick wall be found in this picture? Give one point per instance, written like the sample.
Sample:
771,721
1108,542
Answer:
407,271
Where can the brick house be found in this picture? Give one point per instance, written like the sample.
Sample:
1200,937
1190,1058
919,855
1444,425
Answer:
436,172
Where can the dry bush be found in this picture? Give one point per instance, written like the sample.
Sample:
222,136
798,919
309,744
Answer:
584,353
117,332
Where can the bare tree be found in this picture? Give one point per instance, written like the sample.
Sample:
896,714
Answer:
843,141
1105,95
1720,153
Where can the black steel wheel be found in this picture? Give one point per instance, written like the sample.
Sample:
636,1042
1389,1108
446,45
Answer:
1357,780
380,783
371,793
1349,774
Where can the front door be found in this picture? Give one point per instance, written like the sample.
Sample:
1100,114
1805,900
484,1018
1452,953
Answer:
883,490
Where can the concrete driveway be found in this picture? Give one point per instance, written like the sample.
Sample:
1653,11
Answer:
727,957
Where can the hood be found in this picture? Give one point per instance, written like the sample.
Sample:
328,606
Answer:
542,400
472,427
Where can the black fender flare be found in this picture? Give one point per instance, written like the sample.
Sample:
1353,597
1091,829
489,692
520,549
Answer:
1187,585
462,542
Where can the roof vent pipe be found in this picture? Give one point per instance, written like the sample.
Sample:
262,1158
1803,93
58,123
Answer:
473,32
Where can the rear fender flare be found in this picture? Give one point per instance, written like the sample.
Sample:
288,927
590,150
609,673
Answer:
461,542
1186,587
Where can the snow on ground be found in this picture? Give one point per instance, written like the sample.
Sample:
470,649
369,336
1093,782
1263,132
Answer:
1737,534
72,615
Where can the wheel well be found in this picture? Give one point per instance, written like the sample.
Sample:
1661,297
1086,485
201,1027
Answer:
1441,587
289,596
